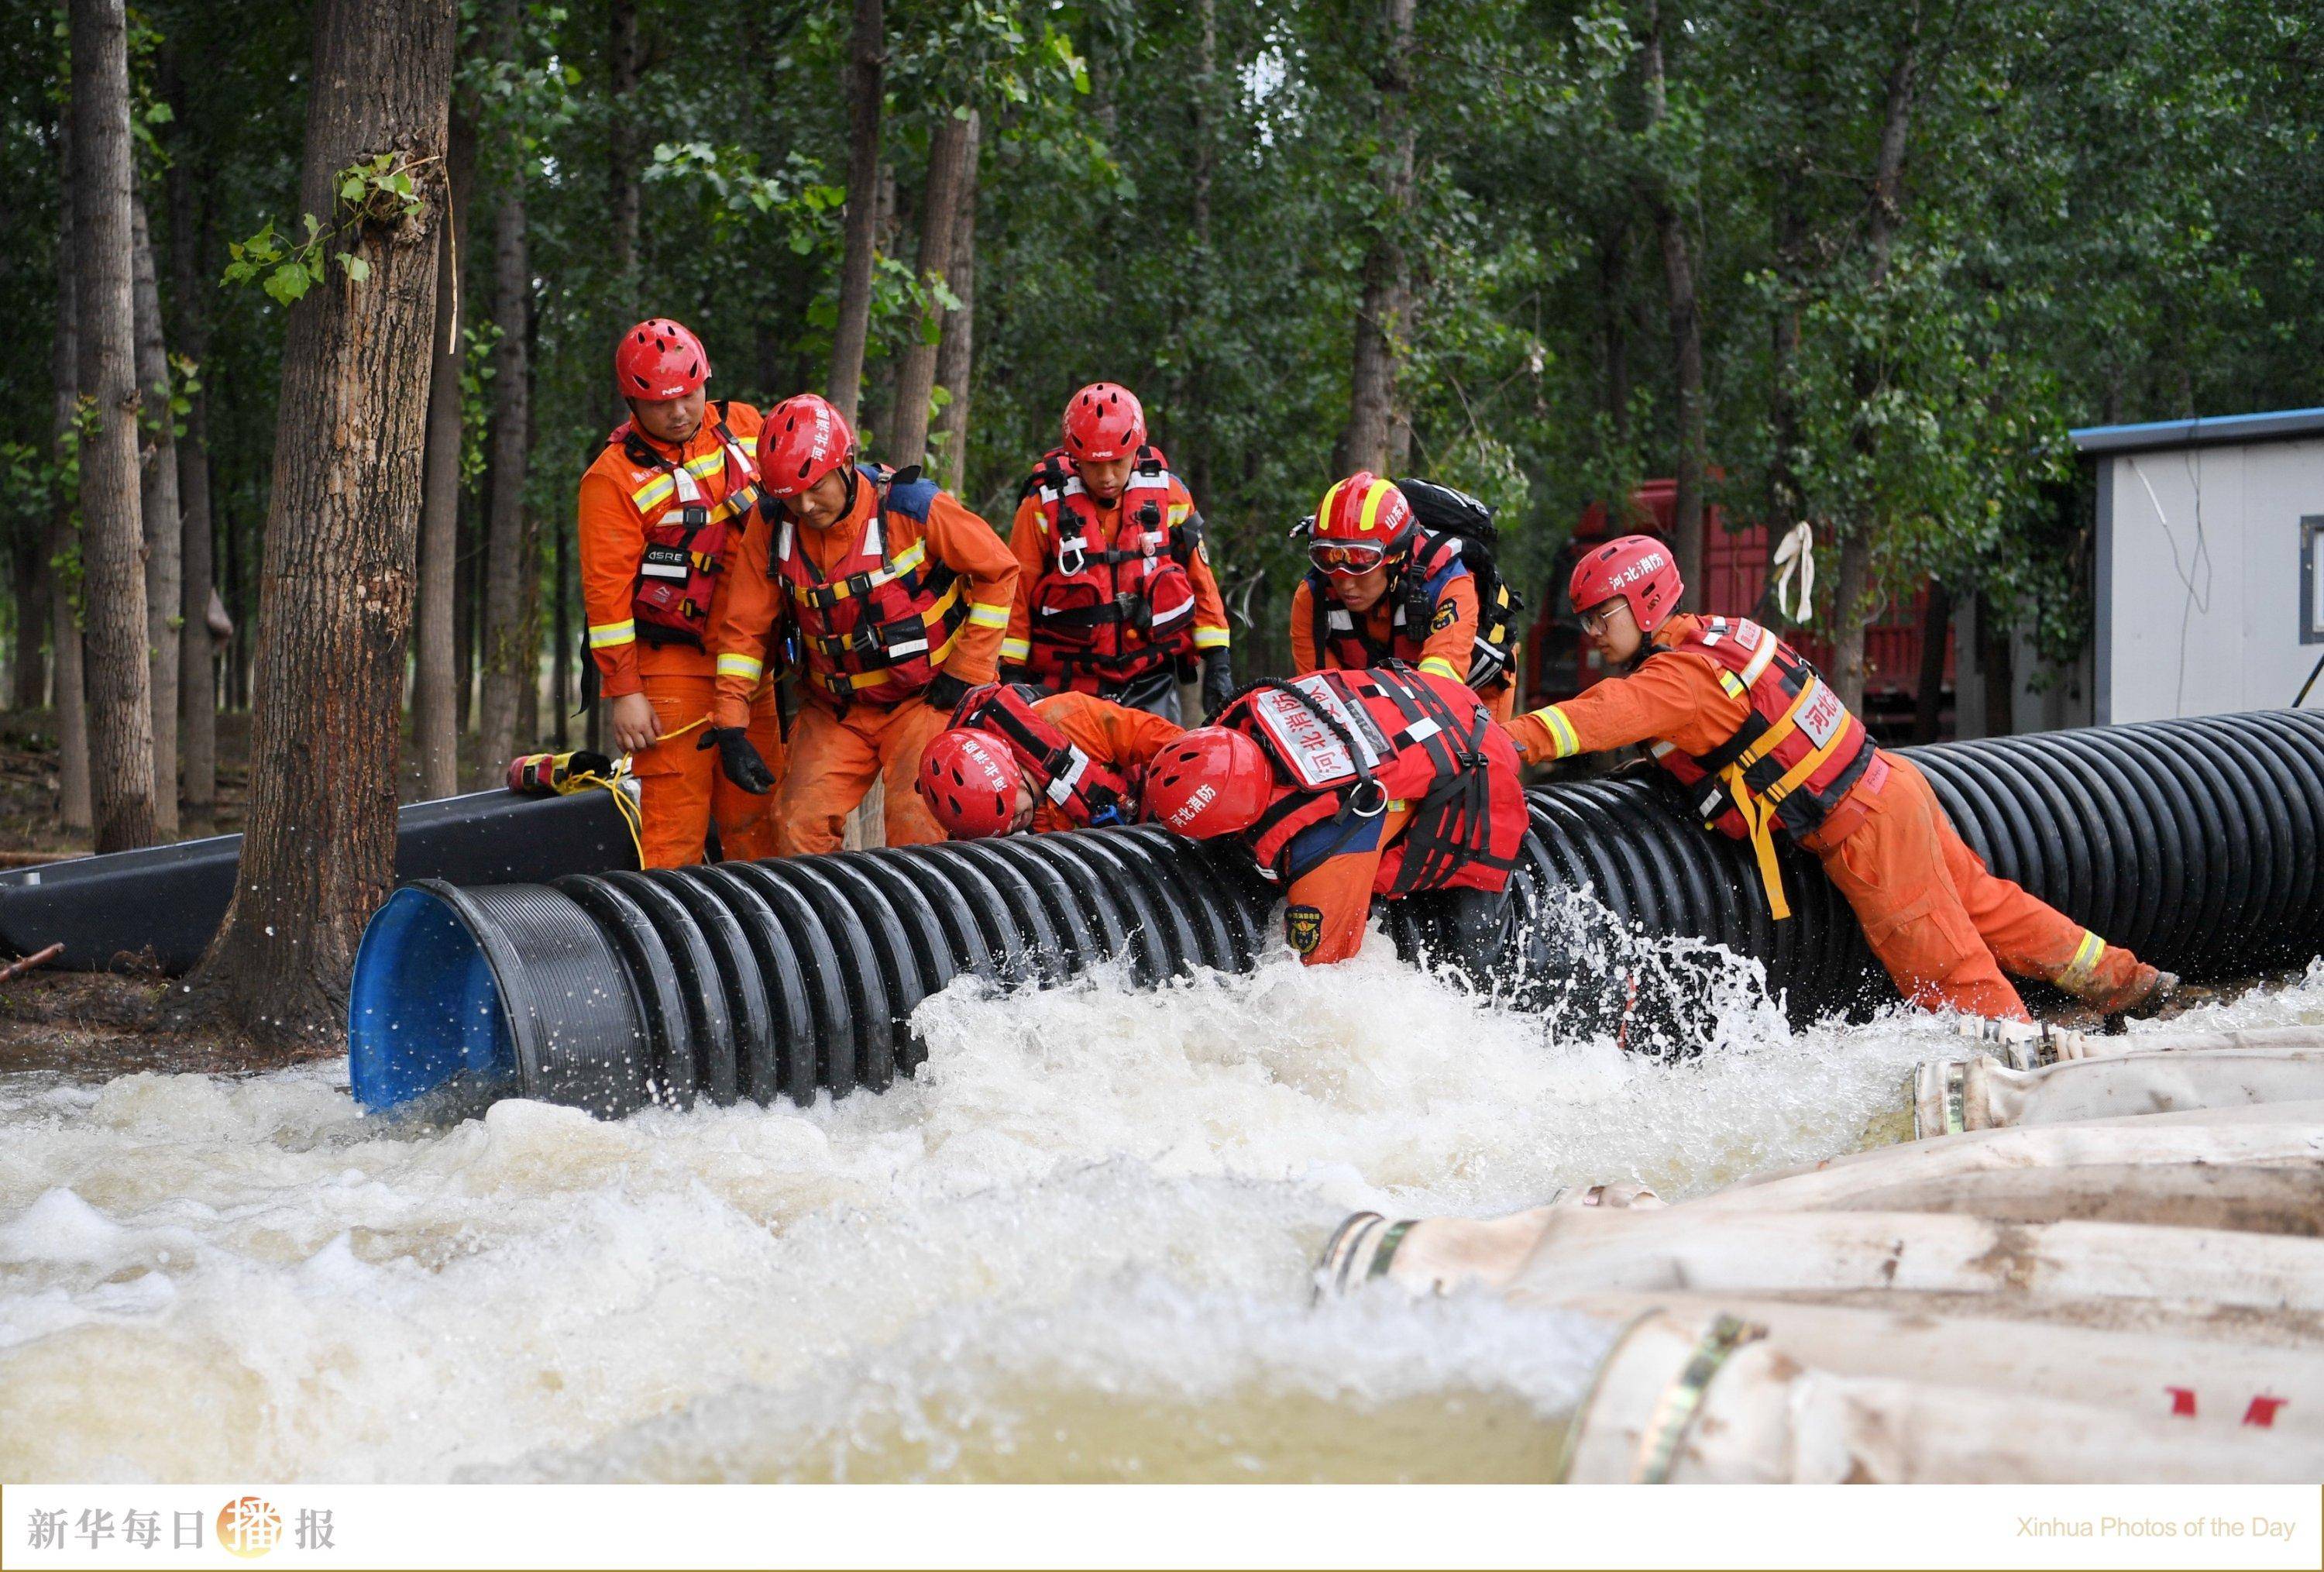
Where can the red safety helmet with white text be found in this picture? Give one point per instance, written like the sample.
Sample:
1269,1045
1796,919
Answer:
1361,521
1637,568
1212,780
804,440
969,782
1105,420
658,360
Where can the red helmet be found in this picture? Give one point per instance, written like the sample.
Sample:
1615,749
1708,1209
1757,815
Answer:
1212,780
658,360
803,440
1637,568
969,782
1105,420
1361,522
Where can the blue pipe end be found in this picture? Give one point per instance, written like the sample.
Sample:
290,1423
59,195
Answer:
424,1009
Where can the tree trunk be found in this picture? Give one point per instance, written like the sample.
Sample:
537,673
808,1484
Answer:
1613,327
1880,229
64,578
508,660
621,161
1786,502
467,611
197,649
1997,665
956,357
165,525
560,645
1192,434
866,58
116,676
336,587
1387,277
952,140
1849,613
29,561
1686,344
435,697
1929,695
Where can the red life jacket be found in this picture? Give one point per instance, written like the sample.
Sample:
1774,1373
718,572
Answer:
1342,638
1345,744
877,628
687,529
1076,785
1793,760
1108,608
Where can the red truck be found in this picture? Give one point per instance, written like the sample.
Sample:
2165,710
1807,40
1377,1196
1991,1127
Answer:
1559,665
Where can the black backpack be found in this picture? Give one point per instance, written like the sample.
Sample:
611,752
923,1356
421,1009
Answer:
1441,510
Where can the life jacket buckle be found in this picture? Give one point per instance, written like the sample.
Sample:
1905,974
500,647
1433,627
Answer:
859,583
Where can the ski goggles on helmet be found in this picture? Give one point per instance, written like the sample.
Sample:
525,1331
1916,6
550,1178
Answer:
1347,558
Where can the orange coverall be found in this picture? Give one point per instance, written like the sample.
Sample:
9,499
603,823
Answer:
681,791
1112,735
835,758
1446,653
1028,538
1942,923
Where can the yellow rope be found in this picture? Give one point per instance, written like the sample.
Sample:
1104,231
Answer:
633,817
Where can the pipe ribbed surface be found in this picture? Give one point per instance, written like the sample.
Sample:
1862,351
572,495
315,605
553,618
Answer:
2195,843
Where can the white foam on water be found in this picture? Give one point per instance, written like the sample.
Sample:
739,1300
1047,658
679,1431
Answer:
1078,1245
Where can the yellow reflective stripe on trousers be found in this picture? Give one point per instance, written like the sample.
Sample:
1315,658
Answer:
605,635
745,666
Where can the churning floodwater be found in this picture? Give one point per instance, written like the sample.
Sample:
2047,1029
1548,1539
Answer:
1077,1247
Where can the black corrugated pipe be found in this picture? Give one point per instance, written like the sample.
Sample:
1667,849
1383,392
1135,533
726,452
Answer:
2196,843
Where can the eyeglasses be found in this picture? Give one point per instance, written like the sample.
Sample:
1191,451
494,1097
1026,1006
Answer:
1347,559
1596,618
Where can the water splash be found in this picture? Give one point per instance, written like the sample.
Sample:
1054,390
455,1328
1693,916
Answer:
1077,1245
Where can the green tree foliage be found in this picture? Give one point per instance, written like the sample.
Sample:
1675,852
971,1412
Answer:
2103,211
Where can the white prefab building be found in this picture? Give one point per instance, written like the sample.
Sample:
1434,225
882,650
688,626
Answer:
2210,582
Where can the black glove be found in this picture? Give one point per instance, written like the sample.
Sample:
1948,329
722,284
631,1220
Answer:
945,691
1218,682
738,758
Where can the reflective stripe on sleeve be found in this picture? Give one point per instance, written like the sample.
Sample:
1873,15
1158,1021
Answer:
988,617
1441,667
605,635
1560,731
748,667
1018,651
1209,638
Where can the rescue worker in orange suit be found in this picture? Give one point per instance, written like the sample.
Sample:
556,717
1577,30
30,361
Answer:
661,516
899,596
1762,744
1378,586
1114,589
1347,785
1017,759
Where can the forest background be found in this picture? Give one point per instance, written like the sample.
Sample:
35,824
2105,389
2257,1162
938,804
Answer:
1860,264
